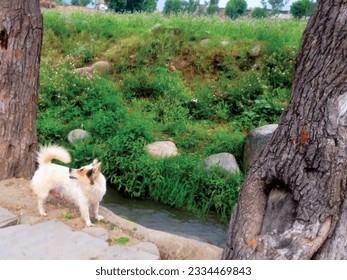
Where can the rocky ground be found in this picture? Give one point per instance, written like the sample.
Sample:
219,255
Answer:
17,197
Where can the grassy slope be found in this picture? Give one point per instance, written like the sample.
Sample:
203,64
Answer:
159,65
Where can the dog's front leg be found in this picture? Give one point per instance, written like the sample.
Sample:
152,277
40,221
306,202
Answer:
96,212
84,210
85,215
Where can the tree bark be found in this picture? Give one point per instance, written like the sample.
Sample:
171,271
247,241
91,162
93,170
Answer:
20,52
292,204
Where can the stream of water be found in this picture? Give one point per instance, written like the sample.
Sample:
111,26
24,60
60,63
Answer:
164,218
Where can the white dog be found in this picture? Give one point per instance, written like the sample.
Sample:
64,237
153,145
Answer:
85,186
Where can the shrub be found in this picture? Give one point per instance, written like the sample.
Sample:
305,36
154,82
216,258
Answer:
259,13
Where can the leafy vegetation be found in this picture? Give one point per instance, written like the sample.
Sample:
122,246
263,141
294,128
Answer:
276,5
68,215
259,13
123,240
122,6
200,82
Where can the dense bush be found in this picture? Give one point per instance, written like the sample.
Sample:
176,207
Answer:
171,78
278,68
259,13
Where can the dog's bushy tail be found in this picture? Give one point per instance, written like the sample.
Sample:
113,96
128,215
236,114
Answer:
47,153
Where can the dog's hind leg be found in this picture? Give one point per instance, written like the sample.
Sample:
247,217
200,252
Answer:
40,200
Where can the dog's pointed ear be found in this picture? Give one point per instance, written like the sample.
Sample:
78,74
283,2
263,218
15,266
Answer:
97,167
95,161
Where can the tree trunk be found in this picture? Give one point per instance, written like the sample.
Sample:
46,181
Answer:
292,204
20,51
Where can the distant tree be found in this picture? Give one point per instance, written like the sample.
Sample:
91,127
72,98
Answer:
259,13
117,5
121,6
212,9
173,7
235,8
201,10
149,5
134,6
80,2
302,8
277,5
263,3
191,6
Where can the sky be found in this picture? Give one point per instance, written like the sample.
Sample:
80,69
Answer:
222,3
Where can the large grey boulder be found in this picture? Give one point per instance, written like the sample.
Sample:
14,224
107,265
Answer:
225,161
255,142
162,149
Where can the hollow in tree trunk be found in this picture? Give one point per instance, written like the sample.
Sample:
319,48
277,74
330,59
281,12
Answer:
20,51
292,204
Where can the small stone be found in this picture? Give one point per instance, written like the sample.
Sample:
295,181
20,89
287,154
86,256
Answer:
162,149
255,51
77,135
225,161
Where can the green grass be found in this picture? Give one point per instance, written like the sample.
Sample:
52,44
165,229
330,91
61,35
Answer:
68,215
122,240
142,98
